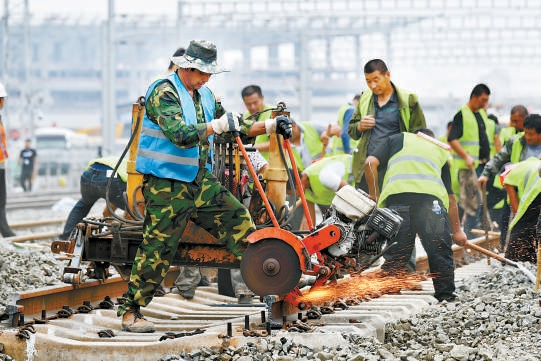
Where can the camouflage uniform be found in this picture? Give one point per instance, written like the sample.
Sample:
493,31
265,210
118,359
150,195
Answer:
170,204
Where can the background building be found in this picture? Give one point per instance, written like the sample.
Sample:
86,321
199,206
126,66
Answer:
84,70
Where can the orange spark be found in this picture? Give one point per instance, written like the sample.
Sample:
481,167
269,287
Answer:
358,287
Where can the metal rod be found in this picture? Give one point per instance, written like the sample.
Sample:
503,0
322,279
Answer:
300,190
258,183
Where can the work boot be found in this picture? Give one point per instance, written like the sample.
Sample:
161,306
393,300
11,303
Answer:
187,294
204,281
133,321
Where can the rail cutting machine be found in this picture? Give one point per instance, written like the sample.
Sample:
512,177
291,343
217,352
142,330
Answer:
353,231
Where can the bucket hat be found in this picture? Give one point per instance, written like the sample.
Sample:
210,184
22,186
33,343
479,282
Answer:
201,55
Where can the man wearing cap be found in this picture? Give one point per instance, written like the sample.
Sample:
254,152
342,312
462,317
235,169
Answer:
174,156
4,227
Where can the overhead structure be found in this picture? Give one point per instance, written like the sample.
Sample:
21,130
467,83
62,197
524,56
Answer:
333,38
309,52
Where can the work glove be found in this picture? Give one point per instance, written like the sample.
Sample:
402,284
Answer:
229,122
281,125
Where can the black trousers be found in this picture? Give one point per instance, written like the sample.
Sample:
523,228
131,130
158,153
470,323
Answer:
435,234
523,239
4,227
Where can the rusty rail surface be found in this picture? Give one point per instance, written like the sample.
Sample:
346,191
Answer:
55,297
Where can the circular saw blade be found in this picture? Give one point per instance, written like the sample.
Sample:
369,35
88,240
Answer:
270,267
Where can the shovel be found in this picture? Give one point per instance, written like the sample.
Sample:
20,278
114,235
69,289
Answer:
504,260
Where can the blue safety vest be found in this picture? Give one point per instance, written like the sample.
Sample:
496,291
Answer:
157,155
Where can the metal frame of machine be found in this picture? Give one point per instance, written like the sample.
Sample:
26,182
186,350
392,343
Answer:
275,259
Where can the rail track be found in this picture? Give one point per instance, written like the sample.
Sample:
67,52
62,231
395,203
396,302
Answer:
38,200
43,231
79,323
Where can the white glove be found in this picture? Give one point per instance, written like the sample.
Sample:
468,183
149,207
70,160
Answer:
229,122
270,126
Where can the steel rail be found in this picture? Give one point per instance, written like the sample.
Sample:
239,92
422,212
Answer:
76,337
55,297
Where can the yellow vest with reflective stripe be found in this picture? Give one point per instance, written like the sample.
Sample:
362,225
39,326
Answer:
311,140
111,162
490,127
527,189
318,193
416,168
263,138
517,148
470,136
506,134
337,146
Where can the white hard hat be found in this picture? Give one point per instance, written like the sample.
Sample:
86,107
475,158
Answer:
3,92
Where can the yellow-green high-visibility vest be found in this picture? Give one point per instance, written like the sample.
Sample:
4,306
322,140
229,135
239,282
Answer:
470,136
337,145
317,192
263,138
526,178
506,134
111,162
416,168
311,140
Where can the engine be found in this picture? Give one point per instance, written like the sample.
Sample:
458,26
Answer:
365,228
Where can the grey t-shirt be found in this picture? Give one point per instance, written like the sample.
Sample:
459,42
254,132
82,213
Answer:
532,151
387,122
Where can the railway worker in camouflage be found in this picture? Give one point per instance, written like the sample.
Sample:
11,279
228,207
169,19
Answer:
174,155
188,277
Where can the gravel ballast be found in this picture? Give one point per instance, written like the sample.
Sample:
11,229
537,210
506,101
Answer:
497,318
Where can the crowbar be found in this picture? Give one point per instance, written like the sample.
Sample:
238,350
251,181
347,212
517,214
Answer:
504,260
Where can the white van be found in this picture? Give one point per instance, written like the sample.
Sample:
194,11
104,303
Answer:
61,151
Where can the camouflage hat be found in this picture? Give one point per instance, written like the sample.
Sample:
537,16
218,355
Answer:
200,54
